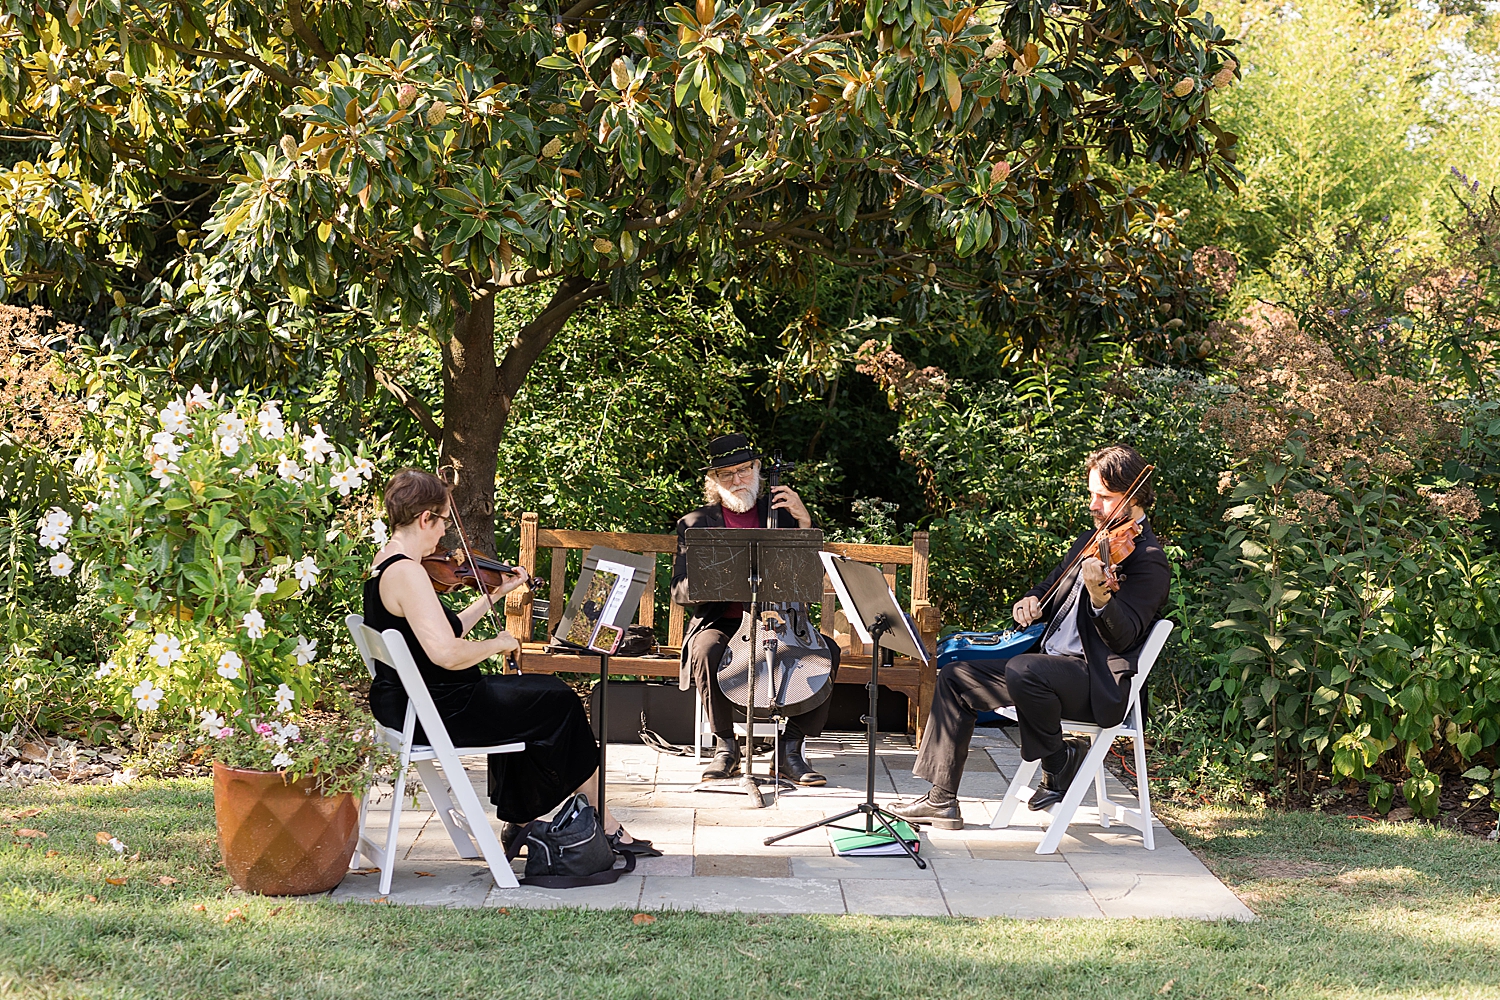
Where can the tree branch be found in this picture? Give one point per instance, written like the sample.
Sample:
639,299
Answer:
532,339
299,25
413,405
224,53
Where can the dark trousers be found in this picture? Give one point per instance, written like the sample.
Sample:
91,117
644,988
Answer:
706,649
1044,690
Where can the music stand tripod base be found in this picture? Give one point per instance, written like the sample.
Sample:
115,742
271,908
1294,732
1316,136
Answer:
872,813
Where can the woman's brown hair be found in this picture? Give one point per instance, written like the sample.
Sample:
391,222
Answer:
409,493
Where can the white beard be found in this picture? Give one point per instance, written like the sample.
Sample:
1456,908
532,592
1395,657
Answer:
739,499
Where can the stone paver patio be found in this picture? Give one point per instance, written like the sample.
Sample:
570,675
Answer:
714,858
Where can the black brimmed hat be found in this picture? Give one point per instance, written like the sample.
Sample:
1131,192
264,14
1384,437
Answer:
731,449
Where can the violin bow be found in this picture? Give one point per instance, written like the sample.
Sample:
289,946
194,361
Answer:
1126,501
463,540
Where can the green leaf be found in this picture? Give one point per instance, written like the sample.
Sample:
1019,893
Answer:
556,62
176,503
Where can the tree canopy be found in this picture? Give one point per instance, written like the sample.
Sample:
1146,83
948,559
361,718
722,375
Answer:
251,181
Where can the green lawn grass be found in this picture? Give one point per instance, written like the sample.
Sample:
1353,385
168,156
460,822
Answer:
1349,909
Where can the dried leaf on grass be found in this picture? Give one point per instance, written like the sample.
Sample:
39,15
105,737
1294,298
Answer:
234,914
26,831
1166,988
118,881
91,898
53,854
199,907
641,919
166,880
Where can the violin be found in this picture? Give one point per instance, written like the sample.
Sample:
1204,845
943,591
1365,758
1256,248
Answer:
450,569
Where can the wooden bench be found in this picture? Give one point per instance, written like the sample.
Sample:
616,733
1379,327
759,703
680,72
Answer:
914,680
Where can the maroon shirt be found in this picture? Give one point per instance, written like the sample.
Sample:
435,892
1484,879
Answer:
734,519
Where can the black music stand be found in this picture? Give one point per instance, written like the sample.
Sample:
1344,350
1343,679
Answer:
604,602
752,566
872,610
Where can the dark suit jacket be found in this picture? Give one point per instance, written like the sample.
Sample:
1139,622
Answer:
1112,639
711,516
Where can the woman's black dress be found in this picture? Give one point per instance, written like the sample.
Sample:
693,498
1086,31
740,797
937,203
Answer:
484,709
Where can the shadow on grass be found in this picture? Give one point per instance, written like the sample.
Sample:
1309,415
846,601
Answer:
1433,933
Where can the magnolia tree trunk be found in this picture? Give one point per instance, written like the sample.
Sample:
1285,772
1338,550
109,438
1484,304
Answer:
478,393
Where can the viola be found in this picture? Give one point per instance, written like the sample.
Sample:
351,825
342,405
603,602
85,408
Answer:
450,569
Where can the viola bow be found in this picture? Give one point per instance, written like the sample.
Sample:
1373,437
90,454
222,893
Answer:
1093,543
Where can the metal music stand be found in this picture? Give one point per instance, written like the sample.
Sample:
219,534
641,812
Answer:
605,623
752,566
872,610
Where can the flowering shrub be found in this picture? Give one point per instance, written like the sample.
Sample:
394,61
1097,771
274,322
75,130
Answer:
337,750
204,528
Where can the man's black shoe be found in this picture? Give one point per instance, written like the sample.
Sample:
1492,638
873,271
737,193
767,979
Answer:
726,763
790,764
944,816
1051,789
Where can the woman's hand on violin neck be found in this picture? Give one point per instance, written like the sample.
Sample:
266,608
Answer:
512,581
1027,610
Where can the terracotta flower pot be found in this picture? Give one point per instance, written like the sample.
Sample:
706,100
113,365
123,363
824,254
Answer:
280,838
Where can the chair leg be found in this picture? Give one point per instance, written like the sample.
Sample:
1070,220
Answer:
1143,785
1101,795
479,824
392,832
1012,800
1062,813
432,780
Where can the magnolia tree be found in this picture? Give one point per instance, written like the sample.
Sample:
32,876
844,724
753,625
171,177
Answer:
250,181
205,525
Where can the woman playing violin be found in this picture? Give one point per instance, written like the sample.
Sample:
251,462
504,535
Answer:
1099,605
479,709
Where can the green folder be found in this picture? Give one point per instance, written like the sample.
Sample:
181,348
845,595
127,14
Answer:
853,842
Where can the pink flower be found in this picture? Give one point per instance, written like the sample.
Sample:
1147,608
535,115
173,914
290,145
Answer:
224,733
264,728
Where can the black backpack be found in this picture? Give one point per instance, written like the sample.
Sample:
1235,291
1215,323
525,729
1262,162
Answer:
570,850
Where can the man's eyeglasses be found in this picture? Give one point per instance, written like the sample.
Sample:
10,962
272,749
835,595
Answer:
744,472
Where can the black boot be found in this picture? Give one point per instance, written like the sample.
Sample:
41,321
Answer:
1055,784
790,763
726,762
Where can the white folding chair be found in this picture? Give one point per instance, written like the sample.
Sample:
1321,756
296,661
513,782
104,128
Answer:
437,763
1100,742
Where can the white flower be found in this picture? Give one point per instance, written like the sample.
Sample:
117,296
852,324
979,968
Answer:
165,649
52,536
287,731
266,586
254,624
284,698
199,398
231,424
364,468
229,665
379,532
306,651
281,760
60,564
229,445
161,467
90,507
317,447
105,669
59,518
174,418
345,480
289,470
268,422
252,469
306,572
147,696
164,445
211,721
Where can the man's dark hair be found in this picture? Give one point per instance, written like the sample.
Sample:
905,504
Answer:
1119,465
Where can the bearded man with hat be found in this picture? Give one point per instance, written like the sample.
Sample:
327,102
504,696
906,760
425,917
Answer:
732,499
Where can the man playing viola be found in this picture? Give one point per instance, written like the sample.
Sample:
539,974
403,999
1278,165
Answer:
1087,655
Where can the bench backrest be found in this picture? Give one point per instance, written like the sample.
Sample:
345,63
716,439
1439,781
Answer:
890,559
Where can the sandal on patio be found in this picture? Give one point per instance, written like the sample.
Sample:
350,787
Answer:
640,848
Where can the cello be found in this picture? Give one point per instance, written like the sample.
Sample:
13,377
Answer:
799,664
